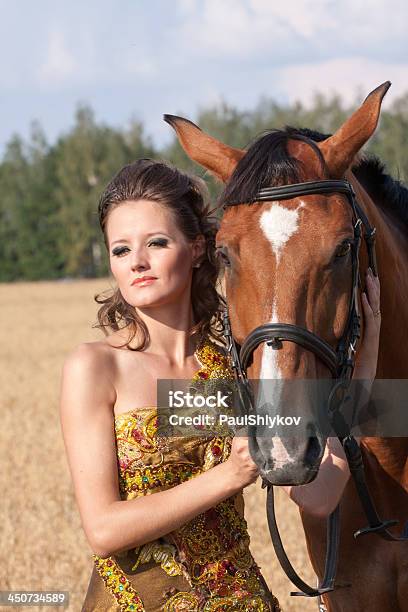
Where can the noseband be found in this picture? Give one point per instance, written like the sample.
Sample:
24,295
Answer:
340,361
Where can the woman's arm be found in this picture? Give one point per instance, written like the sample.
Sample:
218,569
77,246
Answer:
112,524
321,496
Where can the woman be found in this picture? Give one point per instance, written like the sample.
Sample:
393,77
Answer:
186,546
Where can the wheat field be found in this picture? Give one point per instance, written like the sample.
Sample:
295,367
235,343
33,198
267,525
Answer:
42,544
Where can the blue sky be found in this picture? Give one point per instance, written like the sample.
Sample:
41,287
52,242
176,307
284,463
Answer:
140,59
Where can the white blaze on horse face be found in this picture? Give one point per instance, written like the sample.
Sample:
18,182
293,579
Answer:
269,371
269,366
278,225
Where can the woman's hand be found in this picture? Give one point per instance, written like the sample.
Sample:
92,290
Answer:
366,362
245,471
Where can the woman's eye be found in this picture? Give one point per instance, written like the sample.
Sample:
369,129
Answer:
119,251
161,242
343,249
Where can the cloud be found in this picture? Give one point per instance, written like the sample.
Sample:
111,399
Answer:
350,77
59,64
231,29
145,58
298,17
285,31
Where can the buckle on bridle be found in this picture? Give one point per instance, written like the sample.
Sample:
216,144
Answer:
357,224
275,343
370,236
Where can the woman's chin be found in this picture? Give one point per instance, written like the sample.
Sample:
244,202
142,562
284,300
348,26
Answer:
154,302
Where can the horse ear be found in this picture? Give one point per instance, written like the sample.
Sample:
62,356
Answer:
209,152
340,149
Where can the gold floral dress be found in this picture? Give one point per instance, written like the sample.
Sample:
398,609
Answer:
205,565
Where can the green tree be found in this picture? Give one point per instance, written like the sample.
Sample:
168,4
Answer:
27,236
86,159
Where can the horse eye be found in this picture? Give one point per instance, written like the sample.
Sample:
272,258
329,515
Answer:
222,255
343,249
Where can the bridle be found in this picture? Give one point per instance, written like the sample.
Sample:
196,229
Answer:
340,361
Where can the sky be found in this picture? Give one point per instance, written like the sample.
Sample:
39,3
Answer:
138,59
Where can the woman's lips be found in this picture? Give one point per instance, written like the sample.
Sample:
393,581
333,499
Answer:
144,281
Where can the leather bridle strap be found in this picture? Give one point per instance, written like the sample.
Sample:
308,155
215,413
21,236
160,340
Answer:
375,523
274,333
285,192
333,534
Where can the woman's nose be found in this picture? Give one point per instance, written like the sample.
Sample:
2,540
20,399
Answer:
138,260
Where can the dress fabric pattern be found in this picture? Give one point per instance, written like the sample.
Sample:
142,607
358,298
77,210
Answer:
205,565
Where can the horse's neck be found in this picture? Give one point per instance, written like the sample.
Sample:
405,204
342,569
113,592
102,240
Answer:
392,260
391,454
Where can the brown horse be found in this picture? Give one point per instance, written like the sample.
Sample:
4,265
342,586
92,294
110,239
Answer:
289,261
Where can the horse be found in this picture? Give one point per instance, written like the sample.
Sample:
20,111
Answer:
289,260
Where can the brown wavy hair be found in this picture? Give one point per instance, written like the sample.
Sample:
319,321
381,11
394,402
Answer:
187,197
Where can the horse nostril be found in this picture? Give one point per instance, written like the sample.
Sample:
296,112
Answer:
313,450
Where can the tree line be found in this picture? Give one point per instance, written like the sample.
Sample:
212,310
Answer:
49,225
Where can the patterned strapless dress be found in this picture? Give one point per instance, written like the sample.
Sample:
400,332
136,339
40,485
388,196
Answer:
204,566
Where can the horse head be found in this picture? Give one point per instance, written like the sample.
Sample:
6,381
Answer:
286,261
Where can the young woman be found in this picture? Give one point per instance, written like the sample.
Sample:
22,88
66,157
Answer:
186,547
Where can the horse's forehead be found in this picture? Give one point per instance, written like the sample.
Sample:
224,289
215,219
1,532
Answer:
279,224
278,221
240,220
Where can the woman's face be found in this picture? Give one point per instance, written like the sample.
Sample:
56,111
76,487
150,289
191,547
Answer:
145,241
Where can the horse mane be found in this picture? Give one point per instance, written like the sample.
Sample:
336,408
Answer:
267,163
390,193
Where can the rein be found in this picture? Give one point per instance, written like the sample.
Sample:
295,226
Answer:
339,361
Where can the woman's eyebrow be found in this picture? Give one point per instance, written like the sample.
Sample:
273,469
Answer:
146,235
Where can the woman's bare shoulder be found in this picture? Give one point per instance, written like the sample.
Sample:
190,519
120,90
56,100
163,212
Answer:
89,371
89,354
97,352
105,361
96,361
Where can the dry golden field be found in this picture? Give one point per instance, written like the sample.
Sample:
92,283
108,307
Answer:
42,545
